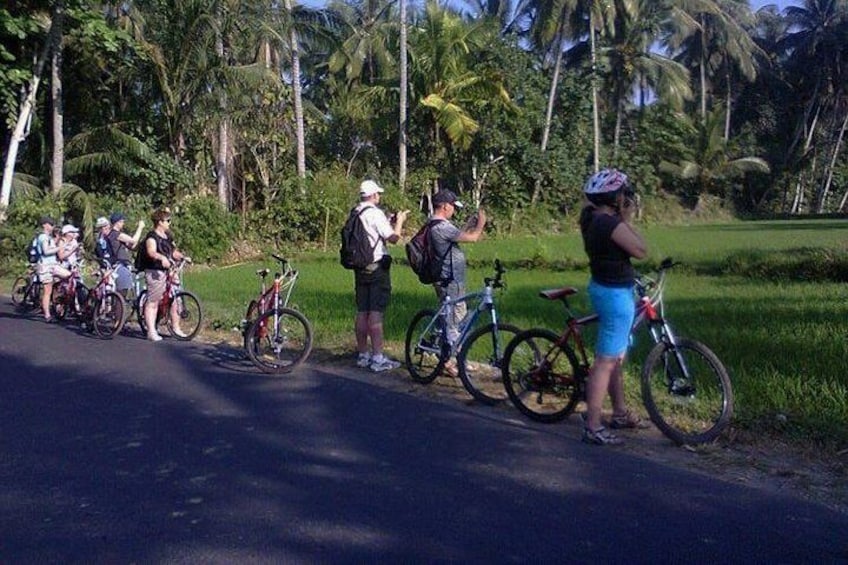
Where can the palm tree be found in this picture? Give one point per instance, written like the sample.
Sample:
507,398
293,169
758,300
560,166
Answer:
636,25
710,36
444,47
818,43
709,163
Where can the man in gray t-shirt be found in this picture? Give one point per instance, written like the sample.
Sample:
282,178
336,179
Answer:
445,237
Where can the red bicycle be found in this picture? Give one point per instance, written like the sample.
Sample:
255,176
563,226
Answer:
278,339
99,309
685,387
184,306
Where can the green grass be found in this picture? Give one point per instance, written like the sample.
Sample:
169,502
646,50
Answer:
754,292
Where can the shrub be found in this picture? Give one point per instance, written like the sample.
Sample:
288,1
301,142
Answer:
203,229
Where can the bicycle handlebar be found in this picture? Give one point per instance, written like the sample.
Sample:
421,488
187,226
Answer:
497,280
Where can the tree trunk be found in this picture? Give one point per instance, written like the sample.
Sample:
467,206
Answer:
403,102
549,111
596,121
727,111
298,94
24,115
57,159
702,67
830,168
221,168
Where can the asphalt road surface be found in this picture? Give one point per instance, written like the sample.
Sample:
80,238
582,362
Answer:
126,451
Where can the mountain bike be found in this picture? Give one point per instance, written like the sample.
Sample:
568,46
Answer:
99,309
278,339
685,387
478,350
186,305
27,289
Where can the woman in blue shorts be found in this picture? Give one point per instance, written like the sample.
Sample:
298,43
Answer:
610,242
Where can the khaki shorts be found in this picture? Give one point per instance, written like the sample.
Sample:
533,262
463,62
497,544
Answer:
156,283
46,273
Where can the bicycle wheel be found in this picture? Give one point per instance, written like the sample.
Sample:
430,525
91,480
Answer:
480,361
189,313
60,302
140,302
425,351
279,341
542,379
19,291
687,392
249,319
107,314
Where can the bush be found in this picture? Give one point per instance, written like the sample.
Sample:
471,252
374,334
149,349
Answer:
203,229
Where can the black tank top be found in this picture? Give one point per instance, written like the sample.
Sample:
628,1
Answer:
608,263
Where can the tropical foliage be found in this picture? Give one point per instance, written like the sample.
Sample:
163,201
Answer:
277,106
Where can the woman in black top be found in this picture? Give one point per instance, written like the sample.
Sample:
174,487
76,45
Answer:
610,241
156,256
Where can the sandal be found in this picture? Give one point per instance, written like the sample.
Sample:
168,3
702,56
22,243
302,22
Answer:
601,436
628,421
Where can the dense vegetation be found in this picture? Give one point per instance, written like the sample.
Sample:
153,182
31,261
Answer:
258,118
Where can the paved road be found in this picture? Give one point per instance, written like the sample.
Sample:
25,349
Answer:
128,451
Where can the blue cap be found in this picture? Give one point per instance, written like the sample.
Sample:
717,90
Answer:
116,217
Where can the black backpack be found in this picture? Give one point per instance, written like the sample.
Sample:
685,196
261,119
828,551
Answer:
356,251
33,251
421,255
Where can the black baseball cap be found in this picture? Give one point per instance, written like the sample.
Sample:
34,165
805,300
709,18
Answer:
445,196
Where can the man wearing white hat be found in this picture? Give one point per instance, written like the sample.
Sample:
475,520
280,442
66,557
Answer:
373,284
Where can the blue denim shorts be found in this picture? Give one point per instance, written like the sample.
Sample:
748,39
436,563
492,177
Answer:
616,307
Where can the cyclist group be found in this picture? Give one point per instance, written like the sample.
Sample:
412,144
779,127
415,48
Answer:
58,253
610,242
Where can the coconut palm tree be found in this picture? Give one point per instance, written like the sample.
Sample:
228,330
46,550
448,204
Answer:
709,162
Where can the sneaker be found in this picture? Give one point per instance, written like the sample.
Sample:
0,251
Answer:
627,421
382,363
363,360
601,436
450,370
179,333
154,337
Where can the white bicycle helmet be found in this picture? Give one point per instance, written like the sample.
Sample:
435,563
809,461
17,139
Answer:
606,181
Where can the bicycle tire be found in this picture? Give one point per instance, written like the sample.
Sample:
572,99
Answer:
32,298
189,312
480,366
689,411
249,318
107,314
279,341
425,353
19,291
59,303
542,378
140,302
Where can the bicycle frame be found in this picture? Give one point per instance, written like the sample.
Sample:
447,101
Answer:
650,311
482,300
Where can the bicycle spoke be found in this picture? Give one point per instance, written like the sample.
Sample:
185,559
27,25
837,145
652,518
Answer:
540,377
480,364
690,402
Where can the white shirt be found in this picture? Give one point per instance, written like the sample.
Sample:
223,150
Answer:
377,227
